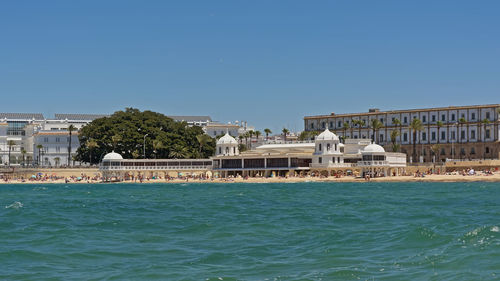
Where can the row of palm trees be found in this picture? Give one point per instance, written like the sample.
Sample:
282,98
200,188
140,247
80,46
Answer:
415,126
251,133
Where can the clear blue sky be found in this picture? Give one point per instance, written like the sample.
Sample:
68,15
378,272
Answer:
267,62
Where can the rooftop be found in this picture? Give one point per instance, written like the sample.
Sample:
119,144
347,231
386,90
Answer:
63,116
25,116
376,111
191,118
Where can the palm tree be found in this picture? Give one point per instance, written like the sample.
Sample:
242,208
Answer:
203,140
91,145
415,126
57,160
157,145
360,123
39,147
439,124
250,135
436,149
10,143
394,136
376,125
257,135
485,123
246,135
461,123
23,152
241,137
71,128
345,126
285,133
397,123
179,152
268,132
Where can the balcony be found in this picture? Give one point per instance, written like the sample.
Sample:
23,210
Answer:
373,163
332,165
153,168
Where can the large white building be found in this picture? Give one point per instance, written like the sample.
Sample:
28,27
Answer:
455,132
325,155
34,140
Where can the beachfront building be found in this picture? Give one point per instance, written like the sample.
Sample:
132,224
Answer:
455,132
200,121
325,155
16,137
114,168
51,141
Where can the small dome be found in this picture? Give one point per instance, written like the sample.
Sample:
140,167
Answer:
373,148
327,135
227,139
112,156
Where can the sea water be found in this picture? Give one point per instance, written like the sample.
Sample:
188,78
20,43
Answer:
289,231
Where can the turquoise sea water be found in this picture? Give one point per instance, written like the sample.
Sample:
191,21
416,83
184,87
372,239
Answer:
294,231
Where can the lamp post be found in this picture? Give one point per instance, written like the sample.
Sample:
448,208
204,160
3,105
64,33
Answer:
144,146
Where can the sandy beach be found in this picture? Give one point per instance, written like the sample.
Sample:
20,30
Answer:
495,177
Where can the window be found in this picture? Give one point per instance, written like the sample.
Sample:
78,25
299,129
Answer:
234,150
382,120
312,126
46,139
381,137
487,115
473,134
443,135
220,150
462,134
424,136
323,125
58,149
473,116
462,151
405,137
339,124
331,124
472,150
453,135
433,118
487,133
433,136
320,160
405,120
443,117
453,117
58,139
463,115
319,147
327,147
215,133
443,152
424,118
487,150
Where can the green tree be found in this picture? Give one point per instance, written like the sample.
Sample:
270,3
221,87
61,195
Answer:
71,128
397,123
10,143
124,133
394,138
179,152
376,125
203,140
345,127
39,147
416,126
257,135
285,132
23,152
91,145
485,122
157,145
267,132
435,148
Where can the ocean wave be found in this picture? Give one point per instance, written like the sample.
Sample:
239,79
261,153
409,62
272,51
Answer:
15,205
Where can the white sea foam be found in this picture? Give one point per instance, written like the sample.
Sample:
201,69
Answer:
15,205
495,229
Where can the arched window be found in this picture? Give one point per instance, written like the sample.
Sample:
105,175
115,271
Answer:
234,150
227,150
220,150
335,147
328,147
319,147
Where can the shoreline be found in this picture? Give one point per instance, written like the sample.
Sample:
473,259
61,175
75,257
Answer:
347,179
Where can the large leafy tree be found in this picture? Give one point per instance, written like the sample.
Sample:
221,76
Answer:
124,133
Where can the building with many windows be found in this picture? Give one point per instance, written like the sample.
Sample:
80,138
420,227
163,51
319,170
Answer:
455,132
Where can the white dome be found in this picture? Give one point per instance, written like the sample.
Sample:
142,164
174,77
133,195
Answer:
327,135
373,148
227,139
112,156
